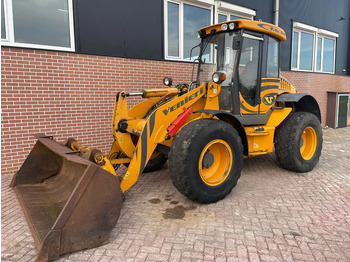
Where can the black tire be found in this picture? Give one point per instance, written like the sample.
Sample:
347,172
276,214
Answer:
116,155
189,149
155,163
292,152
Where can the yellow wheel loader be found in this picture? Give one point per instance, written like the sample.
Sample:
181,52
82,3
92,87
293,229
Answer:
237,105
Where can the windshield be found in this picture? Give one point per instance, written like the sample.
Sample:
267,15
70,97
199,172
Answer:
217,55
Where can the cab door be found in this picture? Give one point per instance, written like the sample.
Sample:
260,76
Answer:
249,74
270,81
258,77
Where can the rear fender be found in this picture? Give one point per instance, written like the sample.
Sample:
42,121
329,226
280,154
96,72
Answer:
301,102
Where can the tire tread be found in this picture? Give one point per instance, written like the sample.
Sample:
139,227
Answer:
287,145
180,160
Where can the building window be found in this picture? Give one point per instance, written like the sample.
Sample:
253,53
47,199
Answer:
182,20
222,18
313,49
38,24
325,54
3,21
226,11
173,30
227,17
193,19
306,50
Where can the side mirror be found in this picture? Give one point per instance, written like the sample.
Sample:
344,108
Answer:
237,42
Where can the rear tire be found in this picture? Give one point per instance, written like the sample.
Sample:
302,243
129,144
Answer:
205,160
298,142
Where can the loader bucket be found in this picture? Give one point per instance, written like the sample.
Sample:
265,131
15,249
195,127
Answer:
69,202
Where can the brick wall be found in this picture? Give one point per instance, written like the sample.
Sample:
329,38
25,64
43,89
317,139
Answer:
68,95
72,95
317,85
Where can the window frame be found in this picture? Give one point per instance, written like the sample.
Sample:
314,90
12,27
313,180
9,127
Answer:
321,54
228,9
298,50
205,4
317,33
228,16
322,50
10,34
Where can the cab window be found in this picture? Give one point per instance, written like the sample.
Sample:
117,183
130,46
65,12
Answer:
248,70
272,69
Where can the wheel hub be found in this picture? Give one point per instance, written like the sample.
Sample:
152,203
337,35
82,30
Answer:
308,143
215,162
208,160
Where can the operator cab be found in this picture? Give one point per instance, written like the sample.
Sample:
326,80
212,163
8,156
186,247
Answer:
247,53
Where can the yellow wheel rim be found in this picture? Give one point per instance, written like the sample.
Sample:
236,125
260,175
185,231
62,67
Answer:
215,162
308,143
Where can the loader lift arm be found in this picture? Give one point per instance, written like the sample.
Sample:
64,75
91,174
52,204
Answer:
154,130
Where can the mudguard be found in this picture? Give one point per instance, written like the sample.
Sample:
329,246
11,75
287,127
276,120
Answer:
301,102
231,119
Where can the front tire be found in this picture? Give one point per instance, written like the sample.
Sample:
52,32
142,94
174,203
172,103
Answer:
205,160
155,163
298,142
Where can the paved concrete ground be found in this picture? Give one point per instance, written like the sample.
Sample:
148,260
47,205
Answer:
272,215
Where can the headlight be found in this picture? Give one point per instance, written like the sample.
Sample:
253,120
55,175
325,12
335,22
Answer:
219,77
231,26
167,81
224,27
